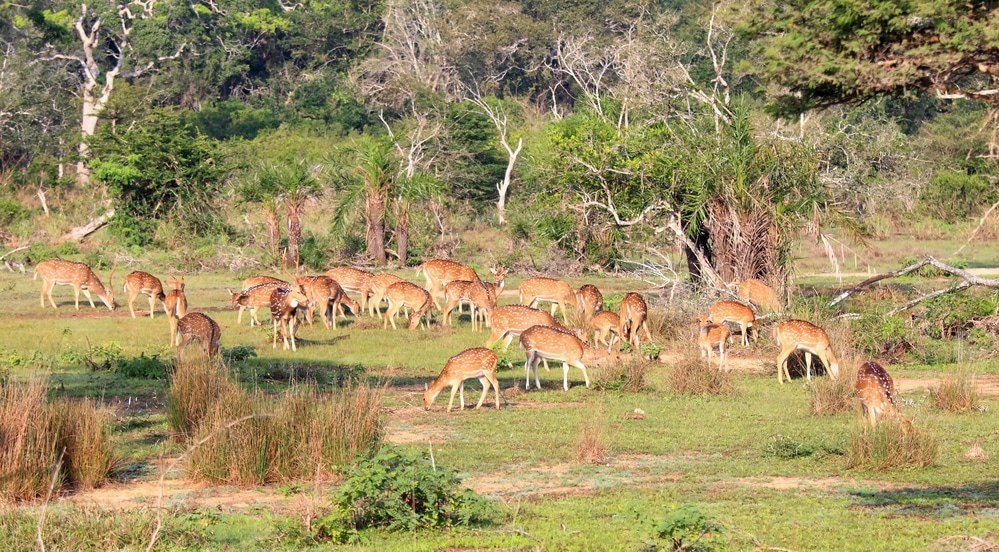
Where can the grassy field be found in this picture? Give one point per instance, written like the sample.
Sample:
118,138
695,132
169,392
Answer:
757,462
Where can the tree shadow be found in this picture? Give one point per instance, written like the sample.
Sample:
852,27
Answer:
980,499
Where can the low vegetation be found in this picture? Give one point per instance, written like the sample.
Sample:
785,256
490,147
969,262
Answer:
48,445
892,444
694,376
957,392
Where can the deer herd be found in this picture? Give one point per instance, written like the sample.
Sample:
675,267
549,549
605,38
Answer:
541,335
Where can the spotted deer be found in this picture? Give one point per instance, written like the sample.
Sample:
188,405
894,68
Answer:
711,335
792,335
252,299
352,280
589,301
410,295
733,311
375,291
198,326
438,272
478,363
550,343
634,313
758,293
139,282
605,325
257,280
877,394
175,305
509,321
325,295
59,272
285,303
495,287
477,293
559,293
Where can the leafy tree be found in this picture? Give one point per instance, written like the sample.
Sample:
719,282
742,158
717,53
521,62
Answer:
291,185
159,169
367,182
829,52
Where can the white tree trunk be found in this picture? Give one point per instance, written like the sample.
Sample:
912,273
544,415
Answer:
504,187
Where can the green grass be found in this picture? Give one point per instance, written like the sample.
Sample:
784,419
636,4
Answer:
707,451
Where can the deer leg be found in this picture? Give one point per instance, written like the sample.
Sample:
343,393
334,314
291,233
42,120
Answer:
808,366
151,306
485,391
781,366
450,403
76,294
86,293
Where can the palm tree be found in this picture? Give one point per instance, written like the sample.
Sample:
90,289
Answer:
288,185
370,179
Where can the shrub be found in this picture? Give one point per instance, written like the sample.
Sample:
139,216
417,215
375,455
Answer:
591,449
400,491
783,446
686,528
892,444
693,376
142,367
956,393
831,396
194,387
38,435
631,376
251,439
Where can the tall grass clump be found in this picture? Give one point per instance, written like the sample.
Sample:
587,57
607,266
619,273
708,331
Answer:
891,444
69,441
832,396
590,448
631,376
302,434
195,386
957,392
693,376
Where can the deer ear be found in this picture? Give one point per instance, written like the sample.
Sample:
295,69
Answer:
426,387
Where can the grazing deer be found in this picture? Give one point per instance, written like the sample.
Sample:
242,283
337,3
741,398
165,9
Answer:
257,280
438,272
799,334
604,325
710,335
478,363
59,272
589,301
759,294
198,326
510,321
352,280
495,287
634,313
733,311
139,282
534,290
175,305
877,394
284,303
477,293
549,343
410,295
326,294
252,299
374,291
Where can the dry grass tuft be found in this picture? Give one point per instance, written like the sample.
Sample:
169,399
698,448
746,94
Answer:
890,445
832,396
957,392
976,452
590,449
694,376
195,388
36,434
629,375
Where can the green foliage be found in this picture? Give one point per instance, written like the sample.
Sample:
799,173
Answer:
685,527
786,447
877,335
158,169
313,253
232,119
142,367
400,491
238,353
892,444
11,211
954,196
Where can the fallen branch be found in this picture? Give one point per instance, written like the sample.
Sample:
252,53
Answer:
80,232
969,280
6,262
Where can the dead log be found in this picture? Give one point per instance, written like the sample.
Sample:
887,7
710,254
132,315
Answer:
80,233
968,278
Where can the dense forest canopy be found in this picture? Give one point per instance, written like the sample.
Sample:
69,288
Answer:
600,127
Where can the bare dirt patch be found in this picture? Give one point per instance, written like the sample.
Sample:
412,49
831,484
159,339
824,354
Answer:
987,385
181,493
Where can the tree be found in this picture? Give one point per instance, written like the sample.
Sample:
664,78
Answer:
292,185
825,52
367,181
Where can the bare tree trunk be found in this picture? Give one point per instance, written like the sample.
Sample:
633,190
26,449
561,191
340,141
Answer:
294,232
80,232
375,217
402,237
273,229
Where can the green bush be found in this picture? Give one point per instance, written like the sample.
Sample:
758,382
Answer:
400,491
686,528
142,367
11,211
784,446
954,196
